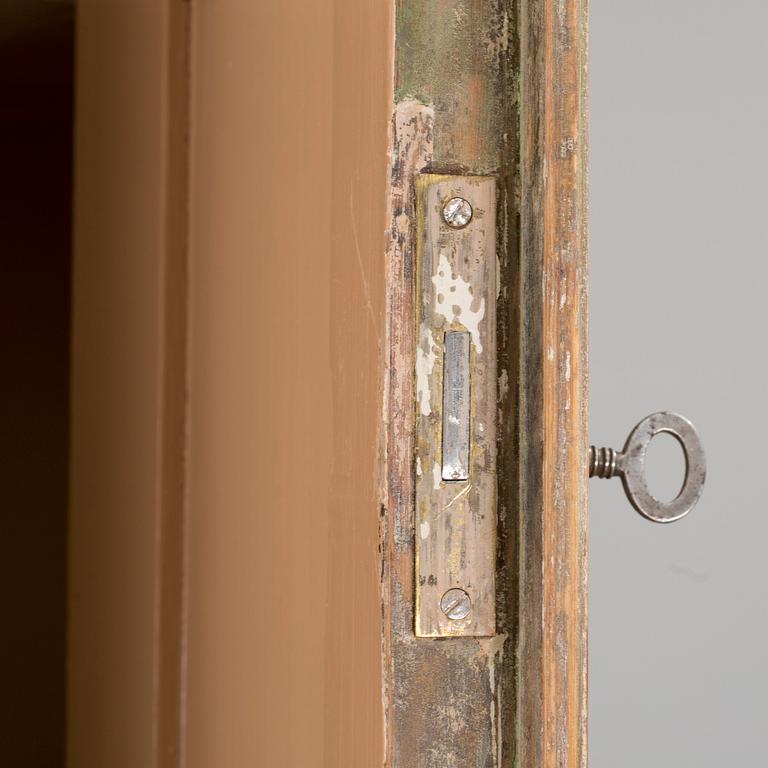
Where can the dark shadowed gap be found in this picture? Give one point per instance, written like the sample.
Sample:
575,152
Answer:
36,52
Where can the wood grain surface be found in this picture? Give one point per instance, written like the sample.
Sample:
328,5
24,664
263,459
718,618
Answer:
552,646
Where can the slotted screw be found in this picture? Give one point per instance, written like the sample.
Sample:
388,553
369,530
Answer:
455,604
457,212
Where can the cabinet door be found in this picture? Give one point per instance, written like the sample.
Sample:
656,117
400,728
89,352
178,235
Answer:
244,581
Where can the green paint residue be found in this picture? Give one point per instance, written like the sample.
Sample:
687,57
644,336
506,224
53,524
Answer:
454,55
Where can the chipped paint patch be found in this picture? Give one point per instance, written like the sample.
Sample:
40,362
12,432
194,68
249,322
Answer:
454,300
503,384
425,364
424,530
418,466
437,476
493,647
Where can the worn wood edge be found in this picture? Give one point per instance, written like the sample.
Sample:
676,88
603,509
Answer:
552,641
411,145
422,723
456,66
537,733
486,109
420,674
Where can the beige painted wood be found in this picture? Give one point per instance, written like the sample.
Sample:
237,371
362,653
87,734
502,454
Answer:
252,635
455,520
287,209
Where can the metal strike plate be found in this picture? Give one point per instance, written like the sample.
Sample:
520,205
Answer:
455,406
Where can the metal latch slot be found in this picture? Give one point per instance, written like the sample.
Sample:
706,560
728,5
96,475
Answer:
456,406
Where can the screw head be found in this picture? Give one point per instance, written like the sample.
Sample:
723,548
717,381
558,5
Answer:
457,212
455,604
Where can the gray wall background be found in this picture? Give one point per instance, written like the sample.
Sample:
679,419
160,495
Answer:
679,302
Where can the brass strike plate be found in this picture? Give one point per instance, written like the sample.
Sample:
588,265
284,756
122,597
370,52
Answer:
455,406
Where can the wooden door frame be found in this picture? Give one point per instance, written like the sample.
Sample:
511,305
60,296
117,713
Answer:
554,402
500,91
164,248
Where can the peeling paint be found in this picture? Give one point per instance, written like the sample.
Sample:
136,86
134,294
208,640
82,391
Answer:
454,299
425,364
437,476
424,530
503,384
493,647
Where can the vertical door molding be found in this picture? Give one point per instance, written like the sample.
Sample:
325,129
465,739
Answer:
552,643
128,401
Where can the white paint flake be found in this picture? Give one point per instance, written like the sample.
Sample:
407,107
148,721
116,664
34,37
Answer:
437,476
425,364
453,300
424,530
418,466
494,651
503,384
